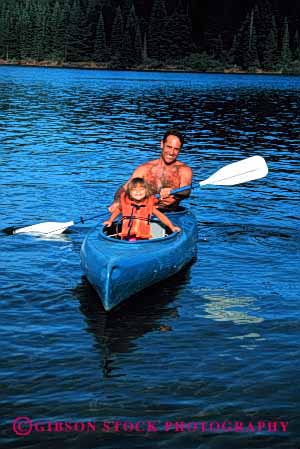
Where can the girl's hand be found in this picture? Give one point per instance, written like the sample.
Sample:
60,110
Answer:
175,229
107,223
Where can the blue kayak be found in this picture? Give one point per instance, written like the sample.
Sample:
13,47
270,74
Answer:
117,269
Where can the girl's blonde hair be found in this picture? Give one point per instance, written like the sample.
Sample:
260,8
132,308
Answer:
134,182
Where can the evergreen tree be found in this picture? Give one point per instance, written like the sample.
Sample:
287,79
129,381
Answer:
256,42
270,51
285,56
87,42
126,7
211,32
14,32
145,48
58,32
48,30
232,54
179,34
144,26
276,39
92,17
127,57
296,46
252,54
246,44
26,32
73,33
4,31
128,54
100,52
66,20
131,22
157,45
219,48
138,45
235,54
117,33
78,35
263,16
38,49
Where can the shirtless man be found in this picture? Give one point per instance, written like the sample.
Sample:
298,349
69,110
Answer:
164,174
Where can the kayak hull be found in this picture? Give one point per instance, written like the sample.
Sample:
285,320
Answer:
117,269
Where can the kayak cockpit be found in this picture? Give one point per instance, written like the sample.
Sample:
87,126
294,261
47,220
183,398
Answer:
158,230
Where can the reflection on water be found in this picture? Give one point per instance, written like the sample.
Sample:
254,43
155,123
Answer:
248,341
116,332
240,310
52,238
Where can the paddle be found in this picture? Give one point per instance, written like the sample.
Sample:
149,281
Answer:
237,173
53,227
249,169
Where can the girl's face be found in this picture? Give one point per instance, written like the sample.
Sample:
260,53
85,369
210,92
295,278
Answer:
138,193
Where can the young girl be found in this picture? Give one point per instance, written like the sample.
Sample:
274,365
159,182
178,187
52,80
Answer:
137,204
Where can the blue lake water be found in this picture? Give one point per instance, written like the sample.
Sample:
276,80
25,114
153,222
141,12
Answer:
218,343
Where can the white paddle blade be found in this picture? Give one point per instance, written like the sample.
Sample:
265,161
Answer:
254,167
49,228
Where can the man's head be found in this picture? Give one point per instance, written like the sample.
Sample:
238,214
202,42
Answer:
174,132
171,145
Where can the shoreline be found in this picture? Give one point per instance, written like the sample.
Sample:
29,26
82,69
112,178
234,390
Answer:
141,68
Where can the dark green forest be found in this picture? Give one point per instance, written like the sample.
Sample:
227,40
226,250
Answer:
155,35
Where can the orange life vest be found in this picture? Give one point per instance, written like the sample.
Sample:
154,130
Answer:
136,217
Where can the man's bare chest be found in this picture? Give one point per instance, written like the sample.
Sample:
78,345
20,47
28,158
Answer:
159,177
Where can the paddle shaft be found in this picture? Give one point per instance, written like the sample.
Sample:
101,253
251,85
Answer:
182,189
239,172
82,220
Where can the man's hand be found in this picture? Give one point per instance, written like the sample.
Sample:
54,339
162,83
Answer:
113,207
165,192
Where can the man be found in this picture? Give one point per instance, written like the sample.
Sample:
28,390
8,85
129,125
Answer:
164,174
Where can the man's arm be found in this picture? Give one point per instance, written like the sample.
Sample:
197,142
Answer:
186,176
185,179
